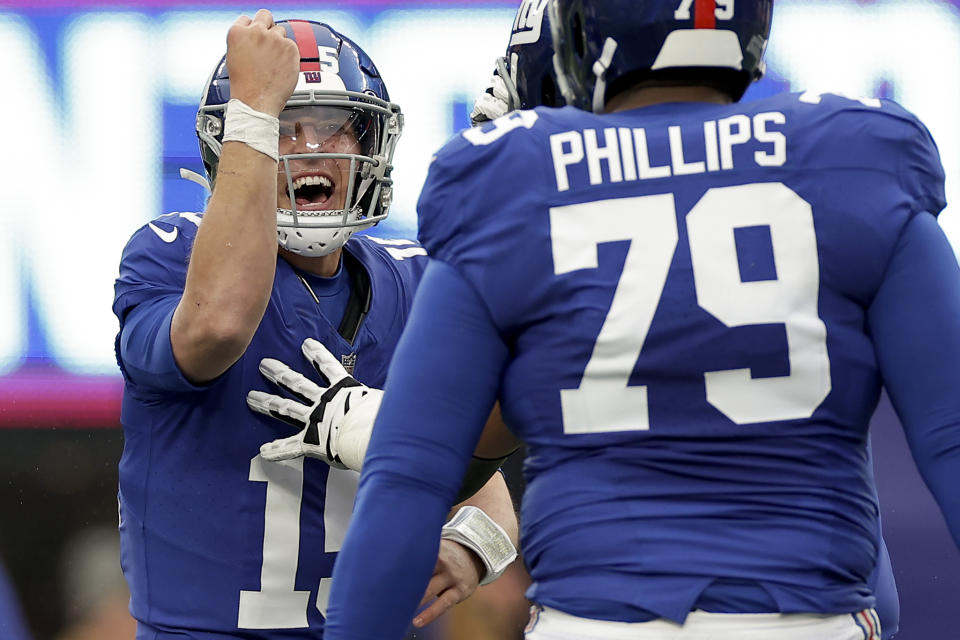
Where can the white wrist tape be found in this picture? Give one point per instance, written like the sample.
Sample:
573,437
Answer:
257,130
475,530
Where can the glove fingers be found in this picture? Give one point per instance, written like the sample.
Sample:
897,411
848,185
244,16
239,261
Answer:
323,361
282,449
285,409
293,381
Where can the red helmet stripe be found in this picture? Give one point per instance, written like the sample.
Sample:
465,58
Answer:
705,14
307,43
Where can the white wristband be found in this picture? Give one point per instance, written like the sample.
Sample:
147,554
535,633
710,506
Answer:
475,530
257,130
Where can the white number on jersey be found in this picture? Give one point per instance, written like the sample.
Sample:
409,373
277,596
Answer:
501,127
604,402
278,605
400,248
812,97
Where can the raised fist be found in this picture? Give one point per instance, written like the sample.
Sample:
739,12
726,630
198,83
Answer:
263,63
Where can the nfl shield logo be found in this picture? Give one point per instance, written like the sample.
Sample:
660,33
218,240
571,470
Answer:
349,361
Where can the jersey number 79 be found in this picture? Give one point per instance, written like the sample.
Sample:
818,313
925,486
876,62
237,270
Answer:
604,402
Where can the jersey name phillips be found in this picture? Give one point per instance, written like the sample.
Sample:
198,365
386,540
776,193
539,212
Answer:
627,153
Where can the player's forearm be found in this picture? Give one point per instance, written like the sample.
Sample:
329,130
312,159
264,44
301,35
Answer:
234,255
232,266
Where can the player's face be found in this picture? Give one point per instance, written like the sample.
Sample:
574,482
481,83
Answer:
320,184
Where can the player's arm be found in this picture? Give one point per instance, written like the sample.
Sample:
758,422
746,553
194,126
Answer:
913,322
234,256
433,412
477,544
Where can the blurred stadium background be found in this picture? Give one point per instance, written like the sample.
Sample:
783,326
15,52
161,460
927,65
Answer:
99,99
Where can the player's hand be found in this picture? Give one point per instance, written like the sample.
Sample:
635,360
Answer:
335,421
263,63
496,99
455,576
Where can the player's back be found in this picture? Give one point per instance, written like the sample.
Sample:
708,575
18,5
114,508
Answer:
684,289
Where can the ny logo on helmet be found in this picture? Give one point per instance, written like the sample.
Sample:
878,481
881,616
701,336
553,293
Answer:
528,23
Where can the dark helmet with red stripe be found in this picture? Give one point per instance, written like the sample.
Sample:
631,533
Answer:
344,90
527,69
604,46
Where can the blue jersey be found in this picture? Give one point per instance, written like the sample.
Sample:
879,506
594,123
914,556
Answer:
687,312
684,290
216,540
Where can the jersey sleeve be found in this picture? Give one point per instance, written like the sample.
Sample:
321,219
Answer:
474,209
151,266
152,276
882,137
913,322
920,171
902,137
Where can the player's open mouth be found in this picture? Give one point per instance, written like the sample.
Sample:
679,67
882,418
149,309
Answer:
313,192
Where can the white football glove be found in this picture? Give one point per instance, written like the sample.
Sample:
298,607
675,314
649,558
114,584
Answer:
498,99
336,421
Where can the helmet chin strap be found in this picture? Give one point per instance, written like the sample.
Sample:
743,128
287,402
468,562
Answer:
600,70
509,80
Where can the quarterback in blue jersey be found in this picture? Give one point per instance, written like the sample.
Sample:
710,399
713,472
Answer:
218,542
687,308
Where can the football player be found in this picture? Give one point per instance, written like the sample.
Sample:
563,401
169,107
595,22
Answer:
687,308
525,78
297,134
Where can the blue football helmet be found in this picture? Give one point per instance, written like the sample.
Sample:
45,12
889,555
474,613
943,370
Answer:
524,78
339,93
601,44
527,69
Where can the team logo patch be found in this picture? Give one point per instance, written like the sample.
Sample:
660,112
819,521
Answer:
349,362
313,76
